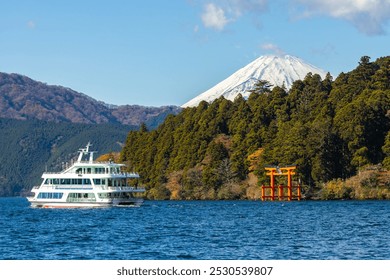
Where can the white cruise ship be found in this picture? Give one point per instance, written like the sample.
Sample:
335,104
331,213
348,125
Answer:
87,183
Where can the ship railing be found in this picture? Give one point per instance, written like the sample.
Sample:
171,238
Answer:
127,174
88,187
81,199
73,187
132,174
125,188
100,162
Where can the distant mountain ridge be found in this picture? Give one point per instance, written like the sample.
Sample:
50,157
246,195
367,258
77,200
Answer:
278,70
23,98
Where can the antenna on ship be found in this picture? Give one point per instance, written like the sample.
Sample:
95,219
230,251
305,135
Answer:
90,152
91,156
85,151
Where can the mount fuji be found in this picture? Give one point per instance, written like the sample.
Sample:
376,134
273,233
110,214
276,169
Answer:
278,70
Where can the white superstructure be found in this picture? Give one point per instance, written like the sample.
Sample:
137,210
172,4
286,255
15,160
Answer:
87,183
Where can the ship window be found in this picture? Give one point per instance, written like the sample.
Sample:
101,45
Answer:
97,181
87,182
65,181
46,195
88,170
99,170
79,170
79,181
102,195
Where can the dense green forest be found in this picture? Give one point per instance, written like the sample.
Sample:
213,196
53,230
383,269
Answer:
331,129
28,147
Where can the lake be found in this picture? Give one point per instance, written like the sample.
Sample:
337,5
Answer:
198,230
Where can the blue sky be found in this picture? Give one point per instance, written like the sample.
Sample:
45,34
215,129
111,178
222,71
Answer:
156,53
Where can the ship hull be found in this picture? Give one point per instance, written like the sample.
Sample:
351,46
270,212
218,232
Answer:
122,203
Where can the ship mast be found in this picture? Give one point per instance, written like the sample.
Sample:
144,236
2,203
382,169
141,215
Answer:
85,151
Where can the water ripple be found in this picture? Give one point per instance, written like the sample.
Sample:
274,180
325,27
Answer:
198,230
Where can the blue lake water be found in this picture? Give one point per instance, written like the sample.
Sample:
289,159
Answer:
222,230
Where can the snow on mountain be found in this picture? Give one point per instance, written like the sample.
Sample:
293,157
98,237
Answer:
278,70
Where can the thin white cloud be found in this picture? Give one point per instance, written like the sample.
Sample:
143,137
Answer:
31,24
196,28
218,13
272,48
368,16
214,17
239,7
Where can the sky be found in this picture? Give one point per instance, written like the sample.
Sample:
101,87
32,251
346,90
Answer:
157,53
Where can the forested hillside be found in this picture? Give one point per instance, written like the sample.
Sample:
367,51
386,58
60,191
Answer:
43,125
329,129
27,148
25,99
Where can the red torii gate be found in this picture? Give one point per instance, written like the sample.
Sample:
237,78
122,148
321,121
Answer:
282,171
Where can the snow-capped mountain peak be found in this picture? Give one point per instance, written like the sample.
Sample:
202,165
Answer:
278,70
